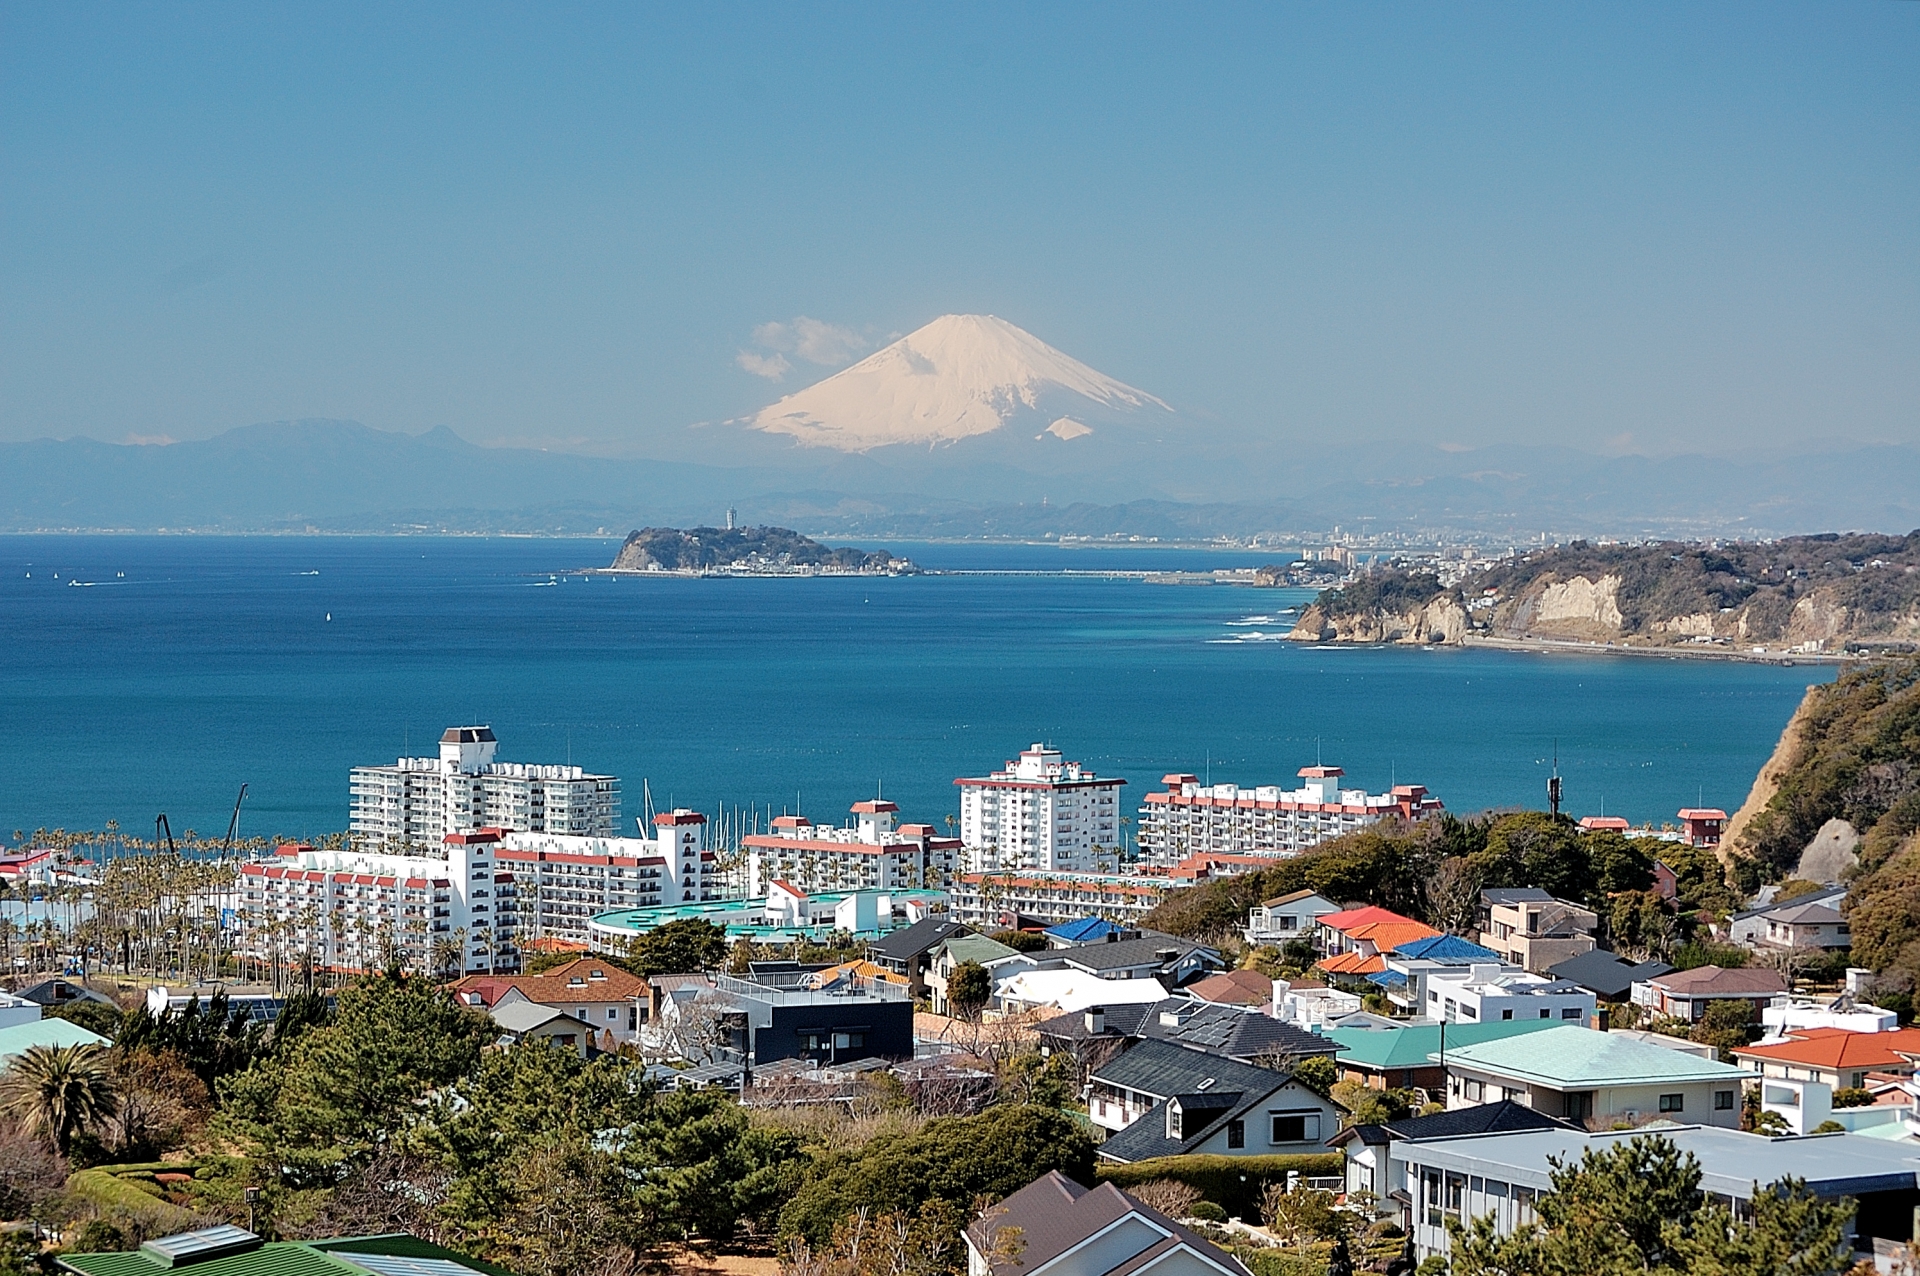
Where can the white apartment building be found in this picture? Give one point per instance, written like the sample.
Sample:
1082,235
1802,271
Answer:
982,899
1040,812
357,910
561,882
1188,817
1491,992
875,852
416,802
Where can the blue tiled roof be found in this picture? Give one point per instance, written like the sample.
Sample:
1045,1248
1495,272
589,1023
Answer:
1083,929
1445,948
1387,978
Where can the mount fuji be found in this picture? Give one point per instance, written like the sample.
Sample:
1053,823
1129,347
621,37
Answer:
962,377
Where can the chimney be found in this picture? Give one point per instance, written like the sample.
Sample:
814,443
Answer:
1096,1020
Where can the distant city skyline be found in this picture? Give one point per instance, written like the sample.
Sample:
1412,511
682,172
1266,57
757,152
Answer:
1625,229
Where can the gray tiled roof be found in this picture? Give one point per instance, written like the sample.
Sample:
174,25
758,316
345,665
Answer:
1161,1068
1054,1214
921,937
1605,973
1128,952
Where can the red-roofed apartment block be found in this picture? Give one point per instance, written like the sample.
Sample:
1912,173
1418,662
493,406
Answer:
875,853
1187,817
1041,812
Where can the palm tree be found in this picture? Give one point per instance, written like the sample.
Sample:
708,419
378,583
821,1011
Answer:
58,1092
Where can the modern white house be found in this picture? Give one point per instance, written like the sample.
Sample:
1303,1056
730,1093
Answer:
1601,1077
1043,812
1490,992
416,802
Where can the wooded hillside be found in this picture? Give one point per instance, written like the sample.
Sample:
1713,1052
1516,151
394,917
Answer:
1829,589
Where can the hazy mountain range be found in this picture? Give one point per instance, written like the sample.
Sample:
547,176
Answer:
966,427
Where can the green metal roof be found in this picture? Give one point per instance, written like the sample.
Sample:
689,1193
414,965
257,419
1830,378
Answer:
279,1258
1412,1045
978,948
46,1032
1575,1058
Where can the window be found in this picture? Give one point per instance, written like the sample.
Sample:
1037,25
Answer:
1506,1014
1475,1090
1570,1012
1673,1103
1723,1100
613,1012
1295,1127
1236,1134
1546,1014
1579,1105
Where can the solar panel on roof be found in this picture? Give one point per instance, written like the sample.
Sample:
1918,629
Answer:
398,1265
183,1248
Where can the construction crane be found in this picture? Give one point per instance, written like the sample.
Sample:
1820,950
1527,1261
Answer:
233,825
160,827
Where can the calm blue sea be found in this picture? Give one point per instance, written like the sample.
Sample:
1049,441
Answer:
179,667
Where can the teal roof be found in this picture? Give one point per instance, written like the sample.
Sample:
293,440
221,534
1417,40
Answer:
287,1258
734,914
1575,1058
46,1032
1413,1045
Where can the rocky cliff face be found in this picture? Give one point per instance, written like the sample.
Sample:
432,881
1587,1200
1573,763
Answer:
1808,593
1441,620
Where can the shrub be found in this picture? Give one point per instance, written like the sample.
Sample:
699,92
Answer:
1851,1097
1208,1212
1170,1196
1236,1183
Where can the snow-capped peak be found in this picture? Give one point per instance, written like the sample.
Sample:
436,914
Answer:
959,376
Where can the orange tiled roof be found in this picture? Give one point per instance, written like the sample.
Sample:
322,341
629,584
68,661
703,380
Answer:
1387,936
857,969
1838,1048
1360,917
1352,964
557,984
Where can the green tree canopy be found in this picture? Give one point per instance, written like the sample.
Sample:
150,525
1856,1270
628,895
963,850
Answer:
678,948
342,1089
951,1162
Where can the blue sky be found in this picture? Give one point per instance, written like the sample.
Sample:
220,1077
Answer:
1621,227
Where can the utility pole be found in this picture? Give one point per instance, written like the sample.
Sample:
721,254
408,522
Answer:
1553,783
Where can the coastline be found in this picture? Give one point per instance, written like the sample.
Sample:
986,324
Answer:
1568,646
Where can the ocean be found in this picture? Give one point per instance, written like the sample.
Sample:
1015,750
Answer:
144,674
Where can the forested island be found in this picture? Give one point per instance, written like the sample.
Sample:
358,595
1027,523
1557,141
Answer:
774,551
1821,593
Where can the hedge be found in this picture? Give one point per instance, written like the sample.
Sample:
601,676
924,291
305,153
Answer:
1235,1183
130,1200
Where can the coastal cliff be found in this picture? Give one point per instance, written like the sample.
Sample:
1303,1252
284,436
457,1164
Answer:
1803,593
747,550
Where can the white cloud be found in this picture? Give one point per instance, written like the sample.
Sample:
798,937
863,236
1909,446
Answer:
772,368
814,340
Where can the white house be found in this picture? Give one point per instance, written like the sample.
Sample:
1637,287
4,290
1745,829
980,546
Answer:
1487,993
1287,917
